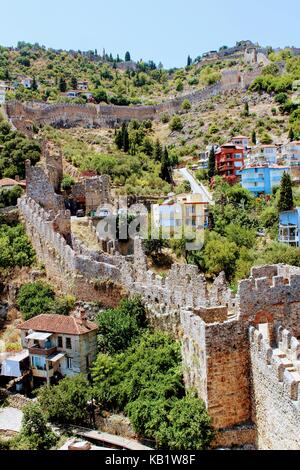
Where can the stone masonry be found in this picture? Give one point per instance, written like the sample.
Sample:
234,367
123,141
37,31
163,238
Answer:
24,115
241,353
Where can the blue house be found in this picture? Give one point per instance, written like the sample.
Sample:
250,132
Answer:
289,227
262,179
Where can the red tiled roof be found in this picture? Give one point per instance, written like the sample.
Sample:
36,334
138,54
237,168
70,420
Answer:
52,323
8,182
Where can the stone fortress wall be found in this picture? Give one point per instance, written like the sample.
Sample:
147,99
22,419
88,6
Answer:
275,387
252,380
24,116
226,368
240,352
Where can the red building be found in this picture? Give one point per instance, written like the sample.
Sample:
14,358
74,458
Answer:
229,162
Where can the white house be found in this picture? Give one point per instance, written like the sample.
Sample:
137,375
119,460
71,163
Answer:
291,153
82,85
26,82
241,140
265,154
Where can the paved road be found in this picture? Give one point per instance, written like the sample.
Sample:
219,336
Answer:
10,419
197,188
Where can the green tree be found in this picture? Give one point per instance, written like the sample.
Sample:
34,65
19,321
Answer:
35,433
176,124
35,298
66,403
67,183
15,248
291,135
125,138
246,109
34,85
179,85
157,151
62,85
220,255
212,163
74,83
186,105
187,427
286,200
100,95
119,326
127,57
165,173
189,61
253,137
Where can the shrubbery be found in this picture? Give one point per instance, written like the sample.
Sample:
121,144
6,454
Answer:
15,249
37,297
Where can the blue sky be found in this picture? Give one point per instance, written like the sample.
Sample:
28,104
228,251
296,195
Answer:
161,30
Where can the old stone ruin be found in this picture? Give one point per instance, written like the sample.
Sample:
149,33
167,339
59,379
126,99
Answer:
241,353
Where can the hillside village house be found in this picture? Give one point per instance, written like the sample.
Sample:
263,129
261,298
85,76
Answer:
59,345
26,81
229,161
241,141
9,183
289,227
291,153
187,211
262,179
83,85
265,154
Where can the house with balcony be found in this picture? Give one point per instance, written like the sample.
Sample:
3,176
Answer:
265,154
291,154
230,161
187,213
59,346
260,180
289,227
241,141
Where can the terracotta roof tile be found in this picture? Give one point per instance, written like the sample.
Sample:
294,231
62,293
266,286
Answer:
52,323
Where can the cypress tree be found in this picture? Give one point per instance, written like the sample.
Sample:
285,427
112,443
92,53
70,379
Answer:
34,85
165,172
254,139
286,201
62,85
74,83
157,151
189,61
212,163
119,139
291,134
125,138
247,109
127,57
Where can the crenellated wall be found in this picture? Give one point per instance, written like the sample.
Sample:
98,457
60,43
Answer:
275,369
64,115
256,380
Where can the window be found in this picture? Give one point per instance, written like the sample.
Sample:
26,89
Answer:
59,342
69,362
68,343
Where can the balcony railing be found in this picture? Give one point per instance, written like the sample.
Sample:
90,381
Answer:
38,351
43,374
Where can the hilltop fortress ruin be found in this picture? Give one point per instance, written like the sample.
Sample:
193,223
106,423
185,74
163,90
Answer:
241,353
